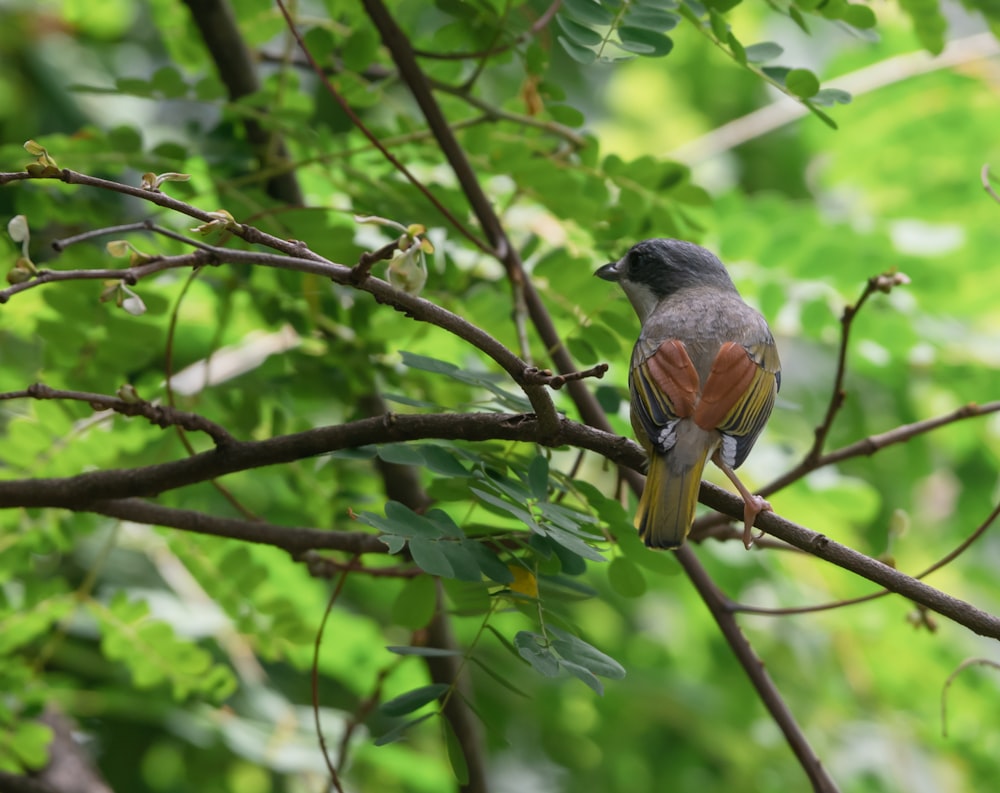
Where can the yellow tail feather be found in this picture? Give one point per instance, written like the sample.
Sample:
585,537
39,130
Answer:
666,507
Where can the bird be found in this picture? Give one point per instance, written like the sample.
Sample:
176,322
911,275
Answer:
703,379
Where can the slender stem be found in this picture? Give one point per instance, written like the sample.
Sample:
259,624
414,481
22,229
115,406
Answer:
762,682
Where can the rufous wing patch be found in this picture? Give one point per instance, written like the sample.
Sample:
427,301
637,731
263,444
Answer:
732,373
671,370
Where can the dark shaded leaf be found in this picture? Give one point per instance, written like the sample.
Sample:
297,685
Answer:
645,42
414,606
429,557
397,732
413,700
589,12
424,652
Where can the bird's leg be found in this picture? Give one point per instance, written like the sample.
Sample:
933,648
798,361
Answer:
753,504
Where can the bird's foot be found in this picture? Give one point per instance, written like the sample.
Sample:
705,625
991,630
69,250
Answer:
752,506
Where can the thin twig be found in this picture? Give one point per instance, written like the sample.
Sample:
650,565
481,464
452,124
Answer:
979,531
766,689
160,415
168,375
314,679
460,227
297,540
951,679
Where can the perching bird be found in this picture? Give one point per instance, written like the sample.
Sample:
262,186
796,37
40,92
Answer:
703,379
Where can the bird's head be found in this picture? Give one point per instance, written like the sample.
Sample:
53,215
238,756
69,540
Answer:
655,269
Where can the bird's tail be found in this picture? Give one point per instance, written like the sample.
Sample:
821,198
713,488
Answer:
666,507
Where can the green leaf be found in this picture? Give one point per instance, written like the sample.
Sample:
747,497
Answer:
413,700
719,25
534,649
538,477
168,81
802,82
859,16
585,675
520,514
414,606
430,558
575,649
441,461
397,732
489,563
400,454
578,33
464,565
626,578
589,12
832,96
645,42
739,53
576,52
498,677
459,766
652,18
929,23
763,52
424,652
30,744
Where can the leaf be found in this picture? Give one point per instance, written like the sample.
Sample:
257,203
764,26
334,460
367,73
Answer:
929,23
459,766
535,650
832,96
652,18
859,16
397,732
575,649
626,578
523,581
488,561
413,700
522,515
763,52
498,677
538,477
589,12
464,565
441,461
739,53
400,454
645,42
427,364
414,606
424,652
802,82
585,675
579,54
429,557
577,33
30,744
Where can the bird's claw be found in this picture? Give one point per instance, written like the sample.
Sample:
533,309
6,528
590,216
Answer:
753,505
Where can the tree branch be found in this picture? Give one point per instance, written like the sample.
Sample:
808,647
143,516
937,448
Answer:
294,539
159,415
238,71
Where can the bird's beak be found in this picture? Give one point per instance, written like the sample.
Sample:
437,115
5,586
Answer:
609,272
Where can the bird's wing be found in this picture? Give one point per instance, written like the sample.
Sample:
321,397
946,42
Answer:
739,395
664,386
